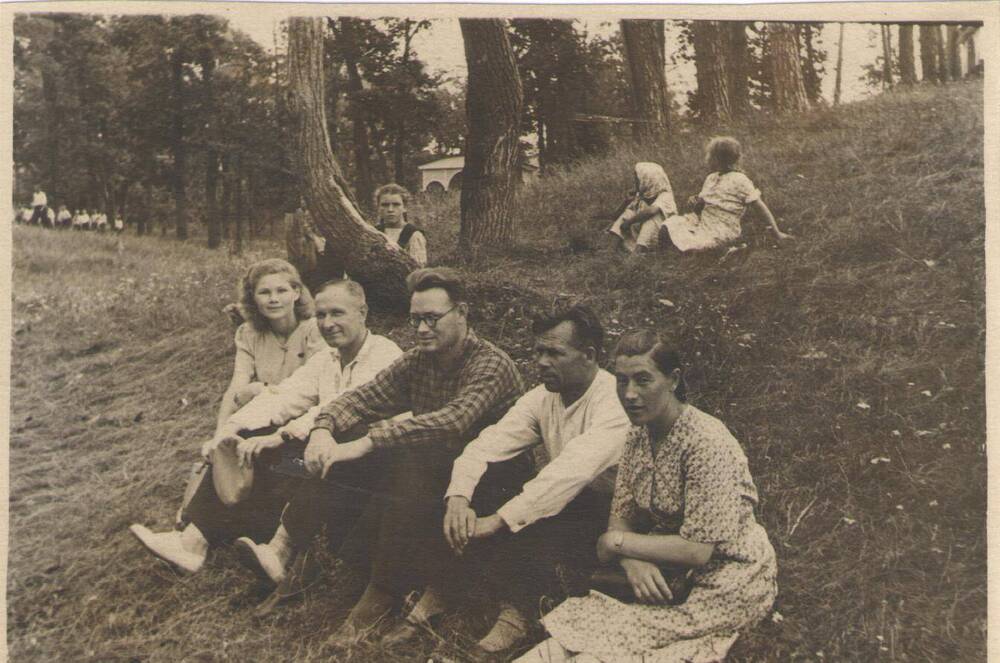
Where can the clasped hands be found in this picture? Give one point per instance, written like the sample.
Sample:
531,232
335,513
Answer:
247,449
461,524
646,578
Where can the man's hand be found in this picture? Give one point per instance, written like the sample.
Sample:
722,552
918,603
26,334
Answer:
249,450
321,447
459,523
647,582
348,451
488,526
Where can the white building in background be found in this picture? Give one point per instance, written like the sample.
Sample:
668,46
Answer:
446,174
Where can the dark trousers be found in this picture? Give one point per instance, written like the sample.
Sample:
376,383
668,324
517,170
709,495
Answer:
257,516
38,215
551,557
337,502
411,550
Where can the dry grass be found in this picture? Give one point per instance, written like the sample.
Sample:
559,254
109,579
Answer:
862,341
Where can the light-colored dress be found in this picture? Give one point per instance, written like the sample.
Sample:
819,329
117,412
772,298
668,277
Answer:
654,191
263,357
698,485
727,196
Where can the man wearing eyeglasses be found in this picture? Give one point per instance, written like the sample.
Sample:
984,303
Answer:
455,384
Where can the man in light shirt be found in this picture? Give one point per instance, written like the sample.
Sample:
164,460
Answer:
39,201
356,356
559,514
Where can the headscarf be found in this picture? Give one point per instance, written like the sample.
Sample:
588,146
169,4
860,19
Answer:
652,180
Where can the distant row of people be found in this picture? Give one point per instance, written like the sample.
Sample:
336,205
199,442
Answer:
424,460
39,213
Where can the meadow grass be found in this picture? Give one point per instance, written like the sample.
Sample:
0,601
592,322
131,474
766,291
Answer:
849,364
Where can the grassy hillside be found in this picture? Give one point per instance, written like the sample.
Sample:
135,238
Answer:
849,364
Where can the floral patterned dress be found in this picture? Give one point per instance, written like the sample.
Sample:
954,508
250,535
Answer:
696,485
727,196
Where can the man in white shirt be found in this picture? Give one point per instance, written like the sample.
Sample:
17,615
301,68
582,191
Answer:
39,201
285,414
575,415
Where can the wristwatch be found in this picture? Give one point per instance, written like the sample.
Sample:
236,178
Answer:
618,539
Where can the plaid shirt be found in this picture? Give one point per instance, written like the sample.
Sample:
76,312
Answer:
450,405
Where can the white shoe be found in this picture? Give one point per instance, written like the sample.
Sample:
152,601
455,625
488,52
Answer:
168,547
261,559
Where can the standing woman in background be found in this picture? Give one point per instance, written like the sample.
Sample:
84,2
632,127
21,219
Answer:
683,506
279,334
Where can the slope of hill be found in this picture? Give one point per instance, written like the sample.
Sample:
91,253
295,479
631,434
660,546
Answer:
849,364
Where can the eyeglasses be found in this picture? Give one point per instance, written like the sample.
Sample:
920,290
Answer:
431,319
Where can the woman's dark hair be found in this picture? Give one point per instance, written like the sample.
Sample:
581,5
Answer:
646,341
587,329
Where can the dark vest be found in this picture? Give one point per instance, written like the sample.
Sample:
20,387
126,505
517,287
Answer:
404,235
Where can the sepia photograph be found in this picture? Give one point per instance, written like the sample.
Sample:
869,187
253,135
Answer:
481,333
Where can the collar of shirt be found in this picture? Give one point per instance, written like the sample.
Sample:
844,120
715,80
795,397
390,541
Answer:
363,352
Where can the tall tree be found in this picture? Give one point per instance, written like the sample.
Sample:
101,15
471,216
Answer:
954,54
789,92
351,242
887,81
907,65
971,61
645,54
711,58
737,59
348,41
840,67
941,54
494,102
928,52
813,57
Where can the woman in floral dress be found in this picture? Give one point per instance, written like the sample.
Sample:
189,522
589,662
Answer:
684,498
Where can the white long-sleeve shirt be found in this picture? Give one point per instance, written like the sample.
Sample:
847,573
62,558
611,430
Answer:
294,402
39,199
584,442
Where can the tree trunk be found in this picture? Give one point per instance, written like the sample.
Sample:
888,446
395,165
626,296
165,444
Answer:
840,67
711,60
350,241
226,211
887,81
177,146
53,121
971,63
954,54
240,210
147,199
359,125
907,66
400,129
251,211
494,100
736,64
941,55
789,93
644,53
928,53
810,77
211,198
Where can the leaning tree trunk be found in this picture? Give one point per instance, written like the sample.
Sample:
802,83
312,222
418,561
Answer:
928,53
789,91
644,52
350,241
711,62
954,54
493,103
738,56
907,66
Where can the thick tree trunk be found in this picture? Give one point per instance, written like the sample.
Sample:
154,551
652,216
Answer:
810,76
494,100
710,58
887,81
359,124
840,67
971,63
928,53
789,92
907,66
736,65
941,54
644,53
954,54
178,147
350,241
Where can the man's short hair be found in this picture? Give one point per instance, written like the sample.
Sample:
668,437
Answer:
352,287
445,278
587,329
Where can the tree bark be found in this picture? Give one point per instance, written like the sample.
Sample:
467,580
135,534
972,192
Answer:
789,93
240,210
736,65
711,61
494,100
907,65
954,54
971,62
887,81
177,146
644,53
840,67
350,241
226,211
359,125
928,53
941,54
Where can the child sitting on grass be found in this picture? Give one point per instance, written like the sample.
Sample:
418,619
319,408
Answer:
724,197
638,225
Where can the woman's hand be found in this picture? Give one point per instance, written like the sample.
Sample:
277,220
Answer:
606,550
648,584
247,393
249,449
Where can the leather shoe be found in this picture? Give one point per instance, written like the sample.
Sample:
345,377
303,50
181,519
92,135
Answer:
168,547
